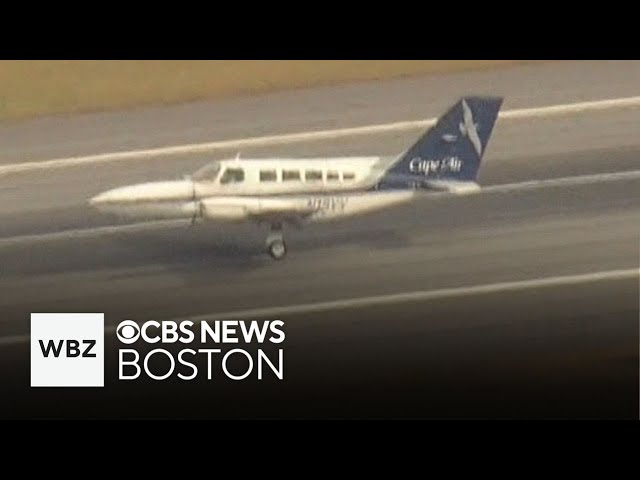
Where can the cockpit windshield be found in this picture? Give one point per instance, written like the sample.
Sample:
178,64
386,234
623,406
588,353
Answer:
208,173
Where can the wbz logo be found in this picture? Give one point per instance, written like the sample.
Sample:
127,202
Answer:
67,349
73,348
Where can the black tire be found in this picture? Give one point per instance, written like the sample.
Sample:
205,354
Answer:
277,249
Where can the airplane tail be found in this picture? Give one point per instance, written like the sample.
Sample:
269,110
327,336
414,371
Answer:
449,154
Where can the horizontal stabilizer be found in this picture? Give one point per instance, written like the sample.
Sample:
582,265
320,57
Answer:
451,186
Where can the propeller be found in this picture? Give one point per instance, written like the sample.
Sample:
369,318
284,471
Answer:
197,212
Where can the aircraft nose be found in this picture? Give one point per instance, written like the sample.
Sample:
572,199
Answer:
145,192
116,195
99,199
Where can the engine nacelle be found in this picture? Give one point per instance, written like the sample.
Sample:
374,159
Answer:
222,212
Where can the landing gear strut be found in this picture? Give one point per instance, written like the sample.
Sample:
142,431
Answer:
276,247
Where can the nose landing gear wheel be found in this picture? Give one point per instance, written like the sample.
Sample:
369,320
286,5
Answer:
277,249
275,242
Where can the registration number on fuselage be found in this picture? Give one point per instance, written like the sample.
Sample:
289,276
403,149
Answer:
327,203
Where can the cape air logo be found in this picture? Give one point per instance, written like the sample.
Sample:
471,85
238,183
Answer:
433,167
470,129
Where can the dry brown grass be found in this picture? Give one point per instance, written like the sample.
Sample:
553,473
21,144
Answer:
31,88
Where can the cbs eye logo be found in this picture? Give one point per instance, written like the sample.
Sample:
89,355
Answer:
128,332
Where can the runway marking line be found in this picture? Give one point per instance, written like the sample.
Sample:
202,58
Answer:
422,295
238,143
92,232
391,299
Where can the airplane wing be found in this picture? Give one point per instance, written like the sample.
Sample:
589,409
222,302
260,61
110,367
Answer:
290,211
260,209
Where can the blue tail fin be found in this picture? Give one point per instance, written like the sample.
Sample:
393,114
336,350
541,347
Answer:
450,151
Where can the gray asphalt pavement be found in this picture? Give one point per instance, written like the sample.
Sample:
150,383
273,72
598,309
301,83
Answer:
436,242
432,243
313,109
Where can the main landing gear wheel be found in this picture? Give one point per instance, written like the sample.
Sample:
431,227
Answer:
275,242
277,249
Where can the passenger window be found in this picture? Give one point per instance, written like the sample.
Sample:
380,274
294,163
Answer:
291,175
333,176
232,175
313,175
268,176
348,176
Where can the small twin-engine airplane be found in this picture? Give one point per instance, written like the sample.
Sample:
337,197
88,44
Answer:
282,191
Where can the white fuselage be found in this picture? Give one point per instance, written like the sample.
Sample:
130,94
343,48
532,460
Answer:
261,190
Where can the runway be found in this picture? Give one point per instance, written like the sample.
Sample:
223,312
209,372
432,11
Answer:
567,341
